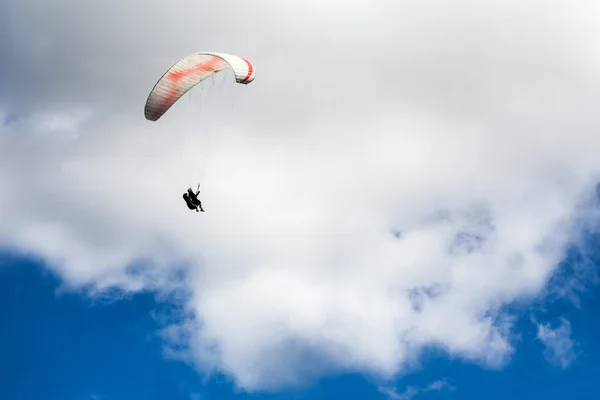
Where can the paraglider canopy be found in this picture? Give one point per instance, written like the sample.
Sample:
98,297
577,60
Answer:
187,73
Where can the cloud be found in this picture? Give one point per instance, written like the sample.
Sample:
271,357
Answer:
412,391
470,129
99,397
560,347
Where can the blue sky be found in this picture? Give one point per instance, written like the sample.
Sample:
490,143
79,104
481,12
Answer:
382,223
57,344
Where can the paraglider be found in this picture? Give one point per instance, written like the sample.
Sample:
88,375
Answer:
183,76
192,201
187,73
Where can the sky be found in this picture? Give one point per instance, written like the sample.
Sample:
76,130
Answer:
403,204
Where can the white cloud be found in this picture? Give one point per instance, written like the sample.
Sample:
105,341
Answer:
469,129
412,391
560,347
